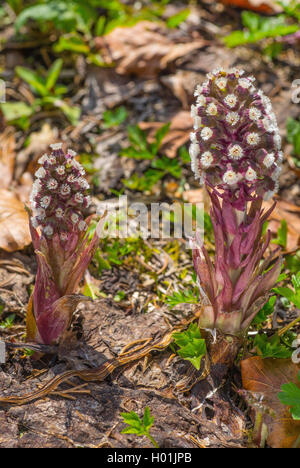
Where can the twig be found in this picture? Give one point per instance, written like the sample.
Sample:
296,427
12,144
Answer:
287,327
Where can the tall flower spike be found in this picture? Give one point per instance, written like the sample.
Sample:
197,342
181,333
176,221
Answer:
235,151
58,229
235,147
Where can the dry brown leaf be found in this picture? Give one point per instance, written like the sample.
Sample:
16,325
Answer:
14,225
262,380
263,6
177,136
143,49
7,158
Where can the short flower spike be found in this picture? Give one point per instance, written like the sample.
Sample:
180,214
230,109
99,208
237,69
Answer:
235,146
64,251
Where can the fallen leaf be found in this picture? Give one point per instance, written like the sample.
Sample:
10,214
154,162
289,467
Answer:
143,49
262,6
262,380
7,158
14,224
177,136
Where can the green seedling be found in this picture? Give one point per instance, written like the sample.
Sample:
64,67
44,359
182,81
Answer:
8,322
274,347
192,346
113,118
49,96
189,296
138,426
258,27
140,149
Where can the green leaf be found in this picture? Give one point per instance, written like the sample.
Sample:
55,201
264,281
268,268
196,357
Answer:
59,90
291,8
53,74
271,347
293,262
64,15
290,396
71,112
184,155
148,420
273,50
91,290
137,137
159,136
8,322
35,12
100,26
178,18
138,426
15,110
288,293
251,20
182,297
134,153
132,430
73,43
119,296
170,166
259,27
281,235
296,281
113,118
132,418
192,346
265,311
33,79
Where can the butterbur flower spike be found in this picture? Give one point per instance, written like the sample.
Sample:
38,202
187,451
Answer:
58,229
235,151
235,146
